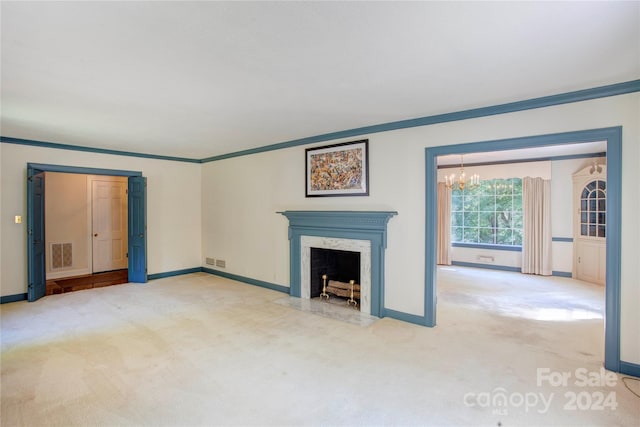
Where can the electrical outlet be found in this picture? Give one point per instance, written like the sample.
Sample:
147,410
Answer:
210,261
221,263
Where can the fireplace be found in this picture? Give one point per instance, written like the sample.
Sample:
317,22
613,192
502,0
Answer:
363,232
334,265
362,248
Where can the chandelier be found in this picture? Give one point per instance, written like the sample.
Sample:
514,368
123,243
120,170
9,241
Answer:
462,181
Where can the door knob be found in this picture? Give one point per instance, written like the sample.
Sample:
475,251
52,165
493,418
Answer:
95,235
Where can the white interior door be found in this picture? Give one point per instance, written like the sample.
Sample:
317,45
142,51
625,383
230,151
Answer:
109,224
589,240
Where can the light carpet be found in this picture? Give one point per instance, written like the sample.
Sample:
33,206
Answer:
203,350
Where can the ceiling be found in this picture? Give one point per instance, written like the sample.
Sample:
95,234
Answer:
200,79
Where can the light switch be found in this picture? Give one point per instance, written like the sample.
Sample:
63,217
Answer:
18,219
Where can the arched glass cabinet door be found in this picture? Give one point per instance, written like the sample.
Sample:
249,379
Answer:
593,209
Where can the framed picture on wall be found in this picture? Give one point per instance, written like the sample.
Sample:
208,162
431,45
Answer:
338,170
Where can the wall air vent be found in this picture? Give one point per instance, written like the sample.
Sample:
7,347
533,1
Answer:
221,263
61,255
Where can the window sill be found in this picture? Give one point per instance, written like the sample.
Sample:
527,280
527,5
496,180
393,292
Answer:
510,248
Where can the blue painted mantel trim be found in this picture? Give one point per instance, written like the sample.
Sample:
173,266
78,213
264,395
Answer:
358,225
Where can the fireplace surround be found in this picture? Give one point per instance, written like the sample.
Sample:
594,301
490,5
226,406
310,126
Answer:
359,231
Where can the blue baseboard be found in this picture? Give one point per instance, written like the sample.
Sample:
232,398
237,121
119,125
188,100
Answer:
562,239
487,266
405,317
174,273
562,274
12,298
248,280
630,369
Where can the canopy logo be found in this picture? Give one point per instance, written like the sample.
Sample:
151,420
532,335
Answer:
591,397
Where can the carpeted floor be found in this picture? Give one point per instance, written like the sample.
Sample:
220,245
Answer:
203,350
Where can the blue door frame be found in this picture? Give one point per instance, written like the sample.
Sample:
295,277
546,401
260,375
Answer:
36,276
137,229
613,137
36,270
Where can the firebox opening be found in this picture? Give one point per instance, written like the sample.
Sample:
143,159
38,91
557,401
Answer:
342,266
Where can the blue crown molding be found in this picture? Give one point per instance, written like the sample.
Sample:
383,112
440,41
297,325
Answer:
529,104
82,170
537,159
55,145
545,101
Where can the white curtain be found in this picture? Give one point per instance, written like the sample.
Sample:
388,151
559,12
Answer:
536,238
444,225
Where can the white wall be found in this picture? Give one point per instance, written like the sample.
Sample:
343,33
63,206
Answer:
241,196
173,208
66,212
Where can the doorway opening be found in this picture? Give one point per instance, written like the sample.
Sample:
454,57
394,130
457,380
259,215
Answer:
613,138
120,250
85,231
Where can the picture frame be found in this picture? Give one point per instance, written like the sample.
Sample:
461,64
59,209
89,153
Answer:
337,170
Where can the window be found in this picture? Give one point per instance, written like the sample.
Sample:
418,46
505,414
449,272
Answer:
593,207
488,214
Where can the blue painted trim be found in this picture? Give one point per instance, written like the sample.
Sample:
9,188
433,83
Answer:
174,273
486,266
82,170
613,136
537,159
529,104
359,225
628,368
562,239
567,274
33,168
57,146
546,101
487,246
614,250
248,280
405,317
13,298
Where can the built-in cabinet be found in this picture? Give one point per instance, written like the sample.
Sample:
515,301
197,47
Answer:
590,223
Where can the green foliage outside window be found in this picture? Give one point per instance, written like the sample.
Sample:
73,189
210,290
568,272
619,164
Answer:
490,213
